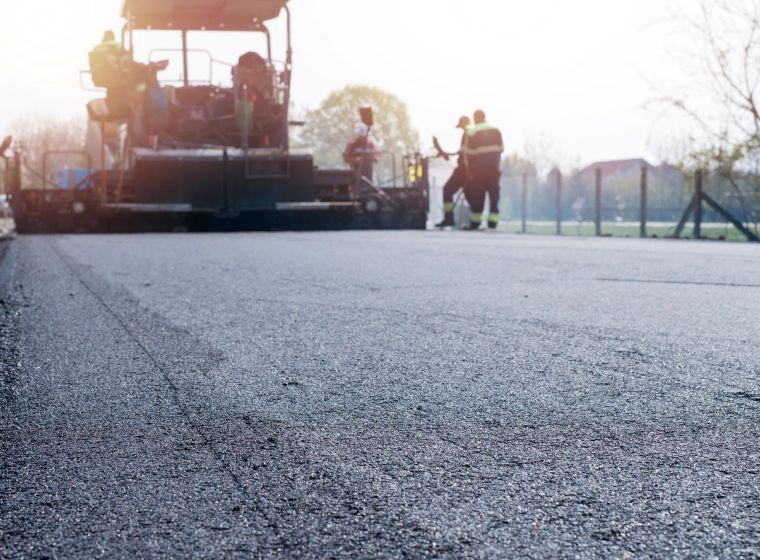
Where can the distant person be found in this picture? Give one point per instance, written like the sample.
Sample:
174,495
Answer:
578,209
620,199
361,153
483,149
458,180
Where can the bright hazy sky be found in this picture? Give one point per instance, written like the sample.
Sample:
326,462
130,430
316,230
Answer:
578,72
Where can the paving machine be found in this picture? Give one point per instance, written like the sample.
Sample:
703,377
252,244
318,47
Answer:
192,155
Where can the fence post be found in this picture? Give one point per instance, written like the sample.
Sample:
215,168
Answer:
643,201
598,215
524,202
698,204
559,202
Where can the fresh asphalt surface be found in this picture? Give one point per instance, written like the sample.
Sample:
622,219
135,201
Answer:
379,394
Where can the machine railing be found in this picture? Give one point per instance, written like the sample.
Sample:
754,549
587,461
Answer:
88,88
211,62
384,184
45,156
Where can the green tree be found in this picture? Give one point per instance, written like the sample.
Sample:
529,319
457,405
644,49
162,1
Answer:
332,125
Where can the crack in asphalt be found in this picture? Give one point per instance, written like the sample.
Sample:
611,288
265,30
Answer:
678,282
175,390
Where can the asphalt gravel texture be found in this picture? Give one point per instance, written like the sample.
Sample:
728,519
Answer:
378,395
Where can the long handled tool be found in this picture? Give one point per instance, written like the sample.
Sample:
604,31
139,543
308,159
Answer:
441,153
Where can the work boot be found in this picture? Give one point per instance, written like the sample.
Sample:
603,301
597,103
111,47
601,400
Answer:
473,226
448,221
492,224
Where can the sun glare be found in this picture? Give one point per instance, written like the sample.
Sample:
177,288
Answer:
37,35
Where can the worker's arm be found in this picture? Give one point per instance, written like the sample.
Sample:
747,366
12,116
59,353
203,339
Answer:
466,155
375,153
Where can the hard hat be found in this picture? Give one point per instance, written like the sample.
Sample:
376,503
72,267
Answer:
363,130
463,122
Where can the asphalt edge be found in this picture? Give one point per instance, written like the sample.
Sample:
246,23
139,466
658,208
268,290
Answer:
10,335
8,255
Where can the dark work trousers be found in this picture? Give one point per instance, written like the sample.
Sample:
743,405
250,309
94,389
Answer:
367,163
458,180
484,181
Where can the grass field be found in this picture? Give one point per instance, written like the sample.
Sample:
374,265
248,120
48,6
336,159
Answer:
717,231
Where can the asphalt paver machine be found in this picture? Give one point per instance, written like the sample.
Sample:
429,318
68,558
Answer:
198,156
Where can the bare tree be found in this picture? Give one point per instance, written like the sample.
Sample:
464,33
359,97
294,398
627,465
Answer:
543,153
730,33
727,38
37,133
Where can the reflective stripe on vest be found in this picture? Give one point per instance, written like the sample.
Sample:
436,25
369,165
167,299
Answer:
473,129
497,148
109,45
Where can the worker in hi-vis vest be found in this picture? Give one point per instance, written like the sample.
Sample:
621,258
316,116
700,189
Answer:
458,180
482,151
115,50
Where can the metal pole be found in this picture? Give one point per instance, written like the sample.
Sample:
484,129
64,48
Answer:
185,78
288,73
643,201
269,44
245,122
559,202
598,216
131,42
698,204
524,202
102,159
6,189
461,211
723,212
